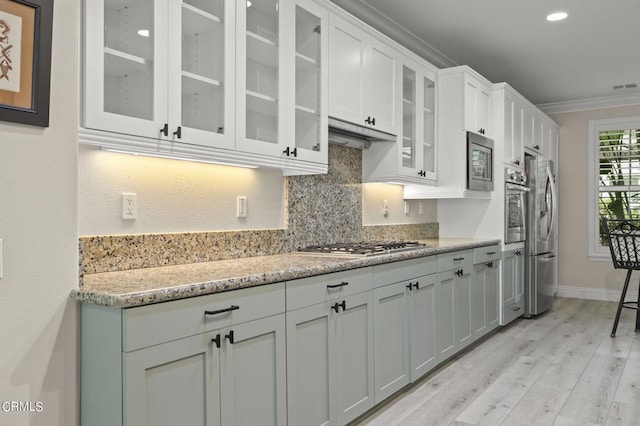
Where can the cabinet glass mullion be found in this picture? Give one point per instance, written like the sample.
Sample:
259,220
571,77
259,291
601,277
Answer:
129,58
203,65
262,71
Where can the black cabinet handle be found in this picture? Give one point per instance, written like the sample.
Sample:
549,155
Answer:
336,307
216,340
412,286
459,272
373,122
417,285
489,264
178,132
222,311
288,152
517,162
491,252
230,337
457,259
537,147
165,129
342,284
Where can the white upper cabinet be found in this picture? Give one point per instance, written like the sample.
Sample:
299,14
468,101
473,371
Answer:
477,105
463,103
151,76
220,80
412,159
509,109
365,83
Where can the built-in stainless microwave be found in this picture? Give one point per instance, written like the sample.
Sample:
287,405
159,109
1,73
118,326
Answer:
479,162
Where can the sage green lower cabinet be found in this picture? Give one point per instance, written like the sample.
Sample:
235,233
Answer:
330,348
454,302
198,361
404,324
512,285
485,290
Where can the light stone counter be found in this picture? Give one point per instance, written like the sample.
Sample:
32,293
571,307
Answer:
137,287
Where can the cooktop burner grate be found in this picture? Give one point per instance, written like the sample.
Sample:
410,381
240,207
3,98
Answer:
365,248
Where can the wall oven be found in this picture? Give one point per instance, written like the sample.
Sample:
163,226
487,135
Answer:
479,162
515,206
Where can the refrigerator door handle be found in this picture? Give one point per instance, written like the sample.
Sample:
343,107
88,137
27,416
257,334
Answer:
554,200
548,258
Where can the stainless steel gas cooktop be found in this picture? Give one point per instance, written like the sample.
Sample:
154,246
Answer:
365,248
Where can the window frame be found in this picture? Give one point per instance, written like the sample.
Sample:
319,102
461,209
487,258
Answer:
596,251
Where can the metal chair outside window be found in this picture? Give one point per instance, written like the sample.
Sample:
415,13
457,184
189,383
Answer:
624,244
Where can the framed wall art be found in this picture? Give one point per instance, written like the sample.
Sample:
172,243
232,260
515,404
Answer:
25,60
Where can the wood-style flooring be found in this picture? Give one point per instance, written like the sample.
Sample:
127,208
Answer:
562,368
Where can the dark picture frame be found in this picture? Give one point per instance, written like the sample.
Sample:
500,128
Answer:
25,61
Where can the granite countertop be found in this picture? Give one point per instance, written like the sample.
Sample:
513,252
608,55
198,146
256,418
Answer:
137,287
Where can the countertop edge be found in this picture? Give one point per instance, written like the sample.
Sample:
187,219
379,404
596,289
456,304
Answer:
165,294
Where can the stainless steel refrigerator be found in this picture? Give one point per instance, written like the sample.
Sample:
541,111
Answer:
540,267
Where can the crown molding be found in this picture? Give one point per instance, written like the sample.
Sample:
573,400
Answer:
395,31
593,103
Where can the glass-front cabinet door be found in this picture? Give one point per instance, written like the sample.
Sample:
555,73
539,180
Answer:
418,157
311,82
429,127
202,85
259,65
409,122
125,73
160,69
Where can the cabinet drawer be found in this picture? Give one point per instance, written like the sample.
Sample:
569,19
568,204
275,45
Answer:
404,270
455,260
322,288
486,254
149,325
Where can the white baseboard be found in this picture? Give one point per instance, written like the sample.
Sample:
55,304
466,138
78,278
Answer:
594,293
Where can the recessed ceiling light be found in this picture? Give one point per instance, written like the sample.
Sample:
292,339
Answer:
557,16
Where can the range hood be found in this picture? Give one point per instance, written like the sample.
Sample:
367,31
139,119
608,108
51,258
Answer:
354,136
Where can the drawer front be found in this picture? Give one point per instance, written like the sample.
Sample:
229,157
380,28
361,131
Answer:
395,272
149,325
455,260
322,288
486,254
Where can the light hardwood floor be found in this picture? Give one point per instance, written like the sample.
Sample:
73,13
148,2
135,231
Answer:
562,368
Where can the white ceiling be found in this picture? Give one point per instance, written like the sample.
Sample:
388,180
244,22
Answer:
582,57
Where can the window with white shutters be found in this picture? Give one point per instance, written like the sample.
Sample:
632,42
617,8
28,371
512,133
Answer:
615,175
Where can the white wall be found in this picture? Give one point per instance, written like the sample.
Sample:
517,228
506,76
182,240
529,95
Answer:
180,196
577,275
172,195
38,221
373,195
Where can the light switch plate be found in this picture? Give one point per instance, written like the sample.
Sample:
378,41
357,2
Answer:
242,210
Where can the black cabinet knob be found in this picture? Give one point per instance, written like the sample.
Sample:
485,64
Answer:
178,132
165,129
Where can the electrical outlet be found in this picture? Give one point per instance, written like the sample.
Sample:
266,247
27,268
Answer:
385,207
406,207
129,206
420,208
242,206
